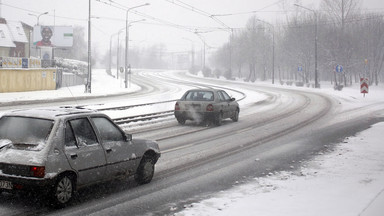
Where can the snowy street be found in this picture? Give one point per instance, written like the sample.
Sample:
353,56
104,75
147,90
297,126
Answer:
191,108
340,179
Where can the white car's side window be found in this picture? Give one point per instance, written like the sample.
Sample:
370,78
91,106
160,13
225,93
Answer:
83,132
107,130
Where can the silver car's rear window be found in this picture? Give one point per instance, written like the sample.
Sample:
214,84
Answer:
199,96
24,132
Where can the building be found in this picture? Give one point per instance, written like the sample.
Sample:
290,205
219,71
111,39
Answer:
14,38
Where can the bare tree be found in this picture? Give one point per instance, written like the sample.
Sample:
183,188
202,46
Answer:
341,10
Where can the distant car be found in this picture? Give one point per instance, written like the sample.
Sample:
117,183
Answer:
211,105
58,150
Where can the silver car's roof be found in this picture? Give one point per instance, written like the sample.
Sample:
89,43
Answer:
50,112
204,89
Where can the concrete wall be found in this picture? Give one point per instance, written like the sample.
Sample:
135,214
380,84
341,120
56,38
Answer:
19,80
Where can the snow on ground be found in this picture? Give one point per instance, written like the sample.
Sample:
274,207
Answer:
347,181
102,84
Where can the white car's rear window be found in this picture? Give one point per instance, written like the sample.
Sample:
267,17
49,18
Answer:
25,132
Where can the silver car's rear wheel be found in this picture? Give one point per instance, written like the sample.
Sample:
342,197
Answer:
219,119
181,120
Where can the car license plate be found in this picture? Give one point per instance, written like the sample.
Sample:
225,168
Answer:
6,185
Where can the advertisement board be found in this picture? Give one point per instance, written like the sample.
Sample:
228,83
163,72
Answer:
53,36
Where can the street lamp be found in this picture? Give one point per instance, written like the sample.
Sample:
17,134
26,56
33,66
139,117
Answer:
192,52
316,38
273,49
38,16
203,55
88,86
118,53
110,49
126,41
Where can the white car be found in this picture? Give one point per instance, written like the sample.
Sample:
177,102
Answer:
59,150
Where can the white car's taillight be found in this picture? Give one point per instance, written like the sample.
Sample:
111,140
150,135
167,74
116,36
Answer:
38,172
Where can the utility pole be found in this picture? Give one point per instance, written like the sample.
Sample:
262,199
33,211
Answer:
273,49
316,39
127,42
88,87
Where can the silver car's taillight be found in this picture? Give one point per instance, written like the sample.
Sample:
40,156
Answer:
209,108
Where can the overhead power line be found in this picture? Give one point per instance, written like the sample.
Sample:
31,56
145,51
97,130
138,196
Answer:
39,12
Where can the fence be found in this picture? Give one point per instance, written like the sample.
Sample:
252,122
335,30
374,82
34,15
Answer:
68,79
19,80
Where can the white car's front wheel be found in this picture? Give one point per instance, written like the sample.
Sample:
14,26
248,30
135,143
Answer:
145,171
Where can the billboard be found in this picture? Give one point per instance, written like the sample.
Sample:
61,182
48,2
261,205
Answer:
53,36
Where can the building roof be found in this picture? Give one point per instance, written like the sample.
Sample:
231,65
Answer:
17,31
5,37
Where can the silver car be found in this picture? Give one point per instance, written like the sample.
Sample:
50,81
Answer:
59,150
203,105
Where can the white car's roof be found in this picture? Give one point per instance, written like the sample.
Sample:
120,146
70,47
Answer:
49,112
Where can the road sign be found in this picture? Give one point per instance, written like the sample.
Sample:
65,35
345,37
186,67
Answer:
339,69
300,68
364,87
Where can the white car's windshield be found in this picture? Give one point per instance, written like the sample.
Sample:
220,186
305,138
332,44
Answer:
25,133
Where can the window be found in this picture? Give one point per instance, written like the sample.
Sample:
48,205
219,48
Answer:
69,136
199,96
83,132
25,131
107,130
226,96
221,97
2,35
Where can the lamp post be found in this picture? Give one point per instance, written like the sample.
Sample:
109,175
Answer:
118,53
273,49
192,52
88,86
203,53
316,38
110,48
38,16
127,43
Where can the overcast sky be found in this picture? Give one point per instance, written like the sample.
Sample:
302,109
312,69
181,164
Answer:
111,19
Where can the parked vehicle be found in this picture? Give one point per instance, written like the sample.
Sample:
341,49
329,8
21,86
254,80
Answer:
59,150
211,105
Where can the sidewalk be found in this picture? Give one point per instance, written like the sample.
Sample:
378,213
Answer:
376,207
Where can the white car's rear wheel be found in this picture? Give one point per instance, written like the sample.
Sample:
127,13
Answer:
63,191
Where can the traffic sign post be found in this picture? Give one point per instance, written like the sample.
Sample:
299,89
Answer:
339,69
300,68
364,87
